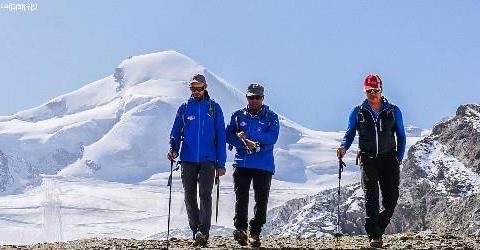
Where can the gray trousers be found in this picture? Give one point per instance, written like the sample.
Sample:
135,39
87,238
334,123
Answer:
202,173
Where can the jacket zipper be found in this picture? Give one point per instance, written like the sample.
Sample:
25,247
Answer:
198,138
376,131
246,149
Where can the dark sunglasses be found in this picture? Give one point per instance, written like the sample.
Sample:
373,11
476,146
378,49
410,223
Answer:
197,89
255,97
373,91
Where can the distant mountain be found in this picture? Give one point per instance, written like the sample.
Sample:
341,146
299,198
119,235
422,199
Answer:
413,131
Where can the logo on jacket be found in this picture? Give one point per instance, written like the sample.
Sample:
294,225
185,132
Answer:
243,123
191,118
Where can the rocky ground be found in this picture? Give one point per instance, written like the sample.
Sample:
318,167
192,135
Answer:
398,241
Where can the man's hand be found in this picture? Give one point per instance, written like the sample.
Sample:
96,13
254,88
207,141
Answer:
341,151
250,145
172,155
242,135
221,171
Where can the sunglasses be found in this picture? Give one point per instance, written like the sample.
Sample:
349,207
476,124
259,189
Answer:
373,91
255,97
197,89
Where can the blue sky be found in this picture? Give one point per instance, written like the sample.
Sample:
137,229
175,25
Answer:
311,55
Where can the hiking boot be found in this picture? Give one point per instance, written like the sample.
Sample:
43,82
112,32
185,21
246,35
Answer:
200,240
376,242
255,240
240,236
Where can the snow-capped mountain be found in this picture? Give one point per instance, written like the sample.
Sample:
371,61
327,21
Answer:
92,162
439,189
117,128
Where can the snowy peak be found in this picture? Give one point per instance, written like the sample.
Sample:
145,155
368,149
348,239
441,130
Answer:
167,65
117,128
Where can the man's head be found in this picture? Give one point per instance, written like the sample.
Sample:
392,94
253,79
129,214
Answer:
198,84
373,88
255,96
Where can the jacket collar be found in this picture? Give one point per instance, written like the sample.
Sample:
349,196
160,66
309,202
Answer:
385,105
260,113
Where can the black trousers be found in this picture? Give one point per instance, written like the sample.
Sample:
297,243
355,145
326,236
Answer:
202,173
383,172
242,177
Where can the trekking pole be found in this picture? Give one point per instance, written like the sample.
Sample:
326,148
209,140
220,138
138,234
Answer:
217,182
341,164
246,146
169,184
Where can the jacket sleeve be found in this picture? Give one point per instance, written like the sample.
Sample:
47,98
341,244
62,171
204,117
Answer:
268,137
351,129
400,133
231,133
176,133
220,135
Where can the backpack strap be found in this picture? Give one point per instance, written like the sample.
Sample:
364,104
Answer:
212,112
212,108
360,115
183,108
236,117
268,116
392,111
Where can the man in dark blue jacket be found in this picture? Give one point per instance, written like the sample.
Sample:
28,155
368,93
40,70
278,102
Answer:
382,143
200,128
253,131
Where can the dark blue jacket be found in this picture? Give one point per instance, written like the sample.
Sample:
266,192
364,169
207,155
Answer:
262,128
200,126
398,128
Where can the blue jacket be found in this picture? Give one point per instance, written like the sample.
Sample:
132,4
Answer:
399,128
262,128
200,126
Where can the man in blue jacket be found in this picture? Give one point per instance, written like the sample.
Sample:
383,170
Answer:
200,128
253,131
378,123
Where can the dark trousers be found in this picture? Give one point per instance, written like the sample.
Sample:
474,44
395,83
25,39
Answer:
383,171
202,173
242,177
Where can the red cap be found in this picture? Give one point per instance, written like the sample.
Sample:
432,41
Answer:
372,81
